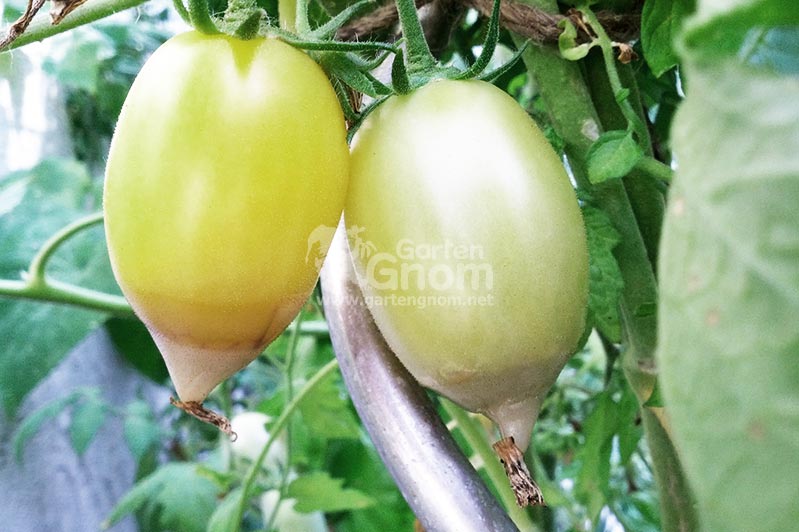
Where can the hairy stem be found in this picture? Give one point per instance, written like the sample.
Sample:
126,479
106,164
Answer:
606,44
474,435
642,184
419,55
37,286
41,28
276,429
575,119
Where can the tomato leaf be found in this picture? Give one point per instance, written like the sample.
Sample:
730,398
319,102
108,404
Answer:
133,341
180,497
612,156
88,416
326,411
567,42
57,192
224,517
660,22
594,455
141,430
729,275
604,277
31,424
319,492
359,465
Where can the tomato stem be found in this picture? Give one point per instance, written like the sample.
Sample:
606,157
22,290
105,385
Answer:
524,487
606,45
476,438
274,432
42,28
196,409
574,118
35,284
200,17
419,56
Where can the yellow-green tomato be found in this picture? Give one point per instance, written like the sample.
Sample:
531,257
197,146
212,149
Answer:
228,157
470,247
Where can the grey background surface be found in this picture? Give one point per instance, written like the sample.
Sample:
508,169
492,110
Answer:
54,489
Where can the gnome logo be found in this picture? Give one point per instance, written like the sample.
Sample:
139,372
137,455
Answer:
318,243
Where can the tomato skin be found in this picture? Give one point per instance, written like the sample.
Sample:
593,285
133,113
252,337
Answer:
459,163
226,156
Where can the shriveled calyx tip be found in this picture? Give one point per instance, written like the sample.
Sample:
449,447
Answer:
524,487
197,410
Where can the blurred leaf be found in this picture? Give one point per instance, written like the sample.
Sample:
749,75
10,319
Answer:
132,339
80,60
318,491
605,279
661,21
326,411
594,455
729,275
359,465
141,429
57,193
88,416
775,49
638,512
224,517
34,421
629,433
182,498
612,156
720,30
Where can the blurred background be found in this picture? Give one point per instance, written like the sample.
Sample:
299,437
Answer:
88,439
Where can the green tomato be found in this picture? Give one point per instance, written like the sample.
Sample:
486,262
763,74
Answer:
228,157
469,246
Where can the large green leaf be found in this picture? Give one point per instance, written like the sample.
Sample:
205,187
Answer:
36,336
661,21
179,497
729,270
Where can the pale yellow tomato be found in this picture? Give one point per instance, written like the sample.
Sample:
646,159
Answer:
469,246
228,157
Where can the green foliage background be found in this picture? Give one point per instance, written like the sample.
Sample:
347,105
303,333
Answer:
727,271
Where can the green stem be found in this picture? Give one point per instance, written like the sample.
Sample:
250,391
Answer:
287,16
200,17
606,44
419,56
39,262
289,377
37,286
655,168
180,7
474,435
68,294
276,429
41,27
644,190
575,119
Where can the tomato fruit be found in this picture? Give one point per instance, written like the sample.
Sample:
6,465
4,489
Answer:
228,154
470,247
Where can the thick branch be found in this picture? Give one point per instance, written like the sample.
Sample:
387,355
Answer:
45,26
530,22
